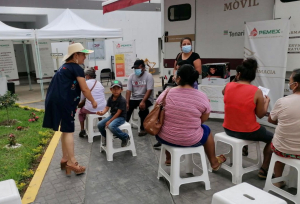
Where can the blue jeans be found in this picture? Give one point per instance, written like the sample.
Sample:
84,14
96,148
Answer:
113,127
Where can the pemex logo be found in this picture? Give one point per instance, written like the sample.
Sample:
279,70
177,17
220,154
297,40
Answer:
118,45
253,32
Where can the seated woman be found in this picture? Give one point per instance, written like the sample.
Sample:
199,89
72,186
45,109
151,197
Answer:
186,110
243,102
285,114
97,93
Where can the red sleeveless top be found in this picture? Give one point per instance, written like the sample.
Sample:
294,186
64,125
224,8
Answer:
240,108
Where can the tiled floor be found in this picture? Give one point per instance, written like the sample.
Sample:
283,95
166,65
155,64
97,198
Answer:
128,179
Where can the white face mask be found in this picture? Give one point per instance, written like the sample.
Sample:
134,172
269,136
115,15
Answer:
291,90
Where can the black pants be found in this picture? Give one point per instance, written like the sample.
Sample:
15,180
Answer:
143,114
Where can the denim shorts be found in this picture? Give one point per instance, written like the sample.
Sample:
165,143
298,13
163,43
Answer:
262,134
206,132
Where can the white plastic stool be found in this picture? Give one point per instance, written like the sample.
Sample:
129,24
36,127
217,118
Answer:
236,158
245,193
291,179
110,150
9,193
174,178
135,119
89,124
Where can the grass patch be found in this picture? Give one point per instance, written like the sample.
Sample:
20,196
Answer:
20,163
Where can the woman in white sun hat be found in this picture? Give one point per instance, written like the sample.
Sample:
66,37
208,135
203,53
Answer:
62,98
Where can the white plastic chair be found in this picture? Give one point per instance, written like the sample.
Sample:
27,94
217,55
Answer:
9,193
174,178
110,150
236,157
135,120
245,193
89,125
292,179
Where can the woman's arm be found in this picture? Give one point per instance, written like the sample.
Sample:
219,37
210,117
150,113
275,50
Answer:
204,117
272,121
86,91
262,104
198,65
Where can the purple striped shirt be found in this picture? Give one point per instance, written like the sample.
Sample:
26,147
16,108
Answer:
182,123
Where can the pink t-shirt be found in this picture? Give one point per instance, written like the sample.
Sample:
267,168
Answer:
182,123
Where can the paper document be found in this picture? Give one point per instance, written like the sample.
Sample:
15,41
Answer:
264,90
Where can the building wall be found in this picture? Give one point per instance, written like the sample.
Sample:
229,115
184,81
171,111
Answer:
144,27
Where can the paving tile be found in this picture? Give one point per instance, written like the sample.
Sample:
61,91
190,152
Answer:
127,179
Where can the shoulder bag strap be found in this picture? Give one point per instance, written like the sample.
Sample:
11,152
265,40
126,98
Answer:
94,85
164,98
178,56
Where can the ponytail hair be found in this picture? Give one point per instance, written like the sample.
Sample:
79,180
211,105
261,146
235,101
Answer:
188,75
247,69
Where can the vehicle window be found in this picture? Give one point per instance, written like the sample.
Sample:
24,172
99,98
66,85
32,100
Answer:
179,12
287,1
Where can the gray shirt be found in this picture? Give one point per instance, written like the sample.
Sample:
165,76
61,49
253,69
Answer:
140,85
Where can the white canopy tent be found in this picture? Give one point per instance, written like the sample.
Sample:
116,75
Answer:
11,33
17,34
69,26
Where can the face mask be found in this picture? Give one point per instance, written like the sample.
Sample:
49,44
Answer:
186,48
137,72
291,90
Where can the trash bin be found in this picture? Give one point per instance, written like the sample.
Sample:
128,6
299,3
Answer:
11,87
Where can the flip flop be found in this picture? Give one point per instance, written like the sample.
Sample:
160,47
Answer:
280,184
221,159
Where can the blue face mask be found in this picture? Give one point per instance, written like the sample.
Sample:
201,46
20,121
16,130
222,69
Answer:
137,72
186,48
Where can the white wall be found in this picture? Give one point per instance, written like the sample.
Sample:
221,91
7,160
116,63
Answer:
144,27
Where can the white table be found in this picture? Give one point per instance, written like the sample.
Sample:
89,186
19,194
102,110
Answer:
3,85
216,98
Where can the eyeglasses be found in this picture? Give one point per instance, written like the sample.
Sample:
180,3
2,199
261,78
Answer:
292,83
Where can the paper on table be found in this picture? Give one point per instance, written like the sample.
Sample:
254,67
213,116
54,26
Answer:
264,90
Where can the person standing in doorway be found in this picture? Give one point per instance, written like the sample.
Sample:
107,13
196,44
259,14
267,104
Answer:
139,93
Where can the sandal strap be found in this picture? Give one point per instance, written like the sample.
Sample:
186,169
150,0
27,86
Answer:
264,171
221,159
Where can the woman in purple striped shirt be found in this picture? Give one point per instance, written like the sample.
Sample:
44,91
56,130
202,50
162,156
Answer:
186,110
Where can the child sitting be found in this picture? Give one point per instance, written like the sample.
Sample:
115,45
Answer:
117,104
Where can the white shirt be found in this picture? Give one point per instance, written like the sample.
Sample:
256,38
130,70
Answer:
97,93
287,134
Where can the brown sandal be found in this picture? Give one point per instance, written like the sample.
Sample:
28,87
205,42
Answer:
221,159
63,164
77,169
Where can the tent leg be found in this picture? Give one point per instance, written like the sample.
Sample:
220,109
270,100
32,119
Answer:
94,51
38,59
27,66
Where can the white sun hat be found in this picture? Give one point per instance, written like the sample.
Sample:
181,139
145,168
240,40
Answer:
76,47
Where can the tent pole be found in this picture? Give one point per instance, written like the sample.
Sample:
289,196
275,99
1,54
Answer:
94,51
39,66
27,66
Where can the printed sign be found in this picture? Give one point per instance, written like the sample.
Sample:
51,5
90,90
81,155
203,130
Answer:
259,37
8,62
47,64
120,65
99,50
128,49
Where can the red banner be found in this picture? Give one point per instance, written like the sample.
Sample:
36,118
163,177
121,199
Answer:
120,4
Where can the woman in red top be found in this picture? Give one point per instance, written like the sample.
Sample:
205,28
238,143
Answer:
243,102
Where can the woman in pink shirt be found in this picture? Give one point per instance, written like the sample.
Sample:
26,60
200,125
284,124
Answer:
185,112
